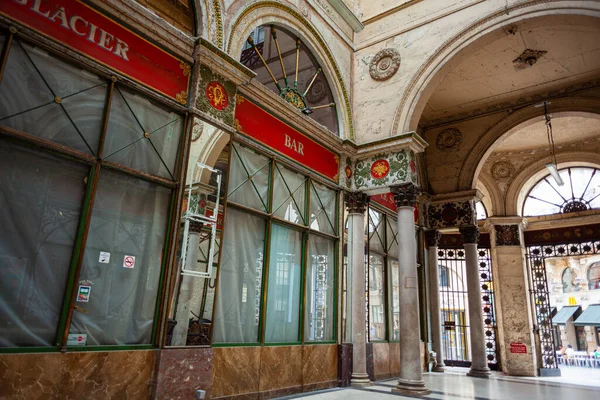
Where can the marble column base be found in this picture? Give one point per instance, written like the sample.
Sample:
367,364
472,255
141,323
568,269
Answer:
439,368
412,388
480,373
360,380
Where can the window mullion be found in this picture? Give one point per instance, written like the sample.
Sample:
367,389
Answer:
6,51
77,257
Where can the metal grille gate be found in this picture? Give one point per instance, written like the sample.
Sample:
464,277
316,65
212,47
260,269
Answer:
540,296
455,311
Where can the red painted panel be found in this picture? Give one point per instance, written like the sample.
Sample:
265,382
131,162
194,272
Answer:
387,200
87,31
255,122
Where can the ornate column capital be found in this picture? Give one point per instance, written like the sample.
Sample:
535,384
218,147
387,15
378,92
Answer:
432,237
356,202
405,194
470,234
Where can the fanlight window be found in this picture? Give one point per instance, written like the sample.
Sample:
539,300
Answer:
285,65
481,211
581,191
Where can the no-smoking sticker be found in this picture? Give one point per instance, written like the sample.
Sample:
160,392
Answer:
128,262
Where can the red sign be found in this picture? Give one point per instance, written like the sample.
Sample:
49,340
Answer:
518,348
87,31
387,200
258,124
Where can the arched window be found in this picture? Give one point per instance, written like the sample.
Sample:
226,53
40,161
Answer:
444,276
285,65
481,211
568,280
580,191
593,276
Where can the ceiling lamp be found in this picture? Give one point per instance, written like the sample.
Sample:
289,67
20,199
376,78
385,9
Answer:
552,165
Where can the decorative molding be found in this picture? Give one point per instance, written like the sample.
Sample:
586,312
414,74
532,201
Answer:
216,95
470,234
197,130
449,140
347,15
384,64
433,237
502,170
584,233
451,214
406,194
302,20
527,59
356,202
218,23
507,235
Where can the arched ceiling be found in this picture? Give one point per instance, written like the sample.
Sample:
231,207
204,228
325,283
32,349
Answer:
567,128
489,76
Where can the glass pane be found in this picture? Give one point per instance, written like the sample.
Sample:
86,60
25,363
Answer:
376,230
323,208
289,195
249,179
122,261
539,207
392,237
377,327
283,297
32,80
320,288
395,303
41,199
142,135
240,279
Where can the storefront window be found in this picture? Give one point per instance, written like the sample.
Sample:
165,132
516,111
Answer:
91,229
41,198
128,222
301,263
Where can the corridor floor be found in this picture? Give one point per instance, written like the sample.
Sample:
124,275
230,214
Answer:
457,386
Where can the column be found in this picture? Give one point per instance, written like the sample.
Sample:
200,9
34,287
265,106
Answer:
433,238
514,312
479,365
411,379
356,203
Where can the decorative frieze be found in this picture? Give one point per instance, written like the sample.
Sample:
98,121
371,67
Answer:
356,202
383,170
470,234
405,194
507,235
502,170
451,214
216,95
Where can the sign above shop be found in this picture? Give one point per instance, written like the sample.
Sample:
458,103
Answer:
258,124
83,29
387,200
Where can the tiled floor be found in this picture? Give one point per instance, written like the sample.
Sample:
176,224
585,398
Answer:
455,385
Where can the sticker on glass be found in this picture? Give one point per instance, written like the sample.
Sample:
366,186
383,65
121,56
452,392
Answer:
104,257
77,339
83,294
128,262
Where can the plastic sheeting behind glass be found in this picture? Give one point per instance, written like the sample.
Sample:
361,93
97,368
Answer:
377,324
249,179
41,198
129,223
283,292
238,298
320,286
395,294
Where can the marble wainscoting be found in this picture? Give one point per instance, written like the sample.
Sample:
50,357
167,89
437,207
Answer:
77,375
381,361
244,373
344,364
394,359
180,372
370,364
